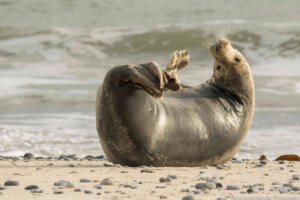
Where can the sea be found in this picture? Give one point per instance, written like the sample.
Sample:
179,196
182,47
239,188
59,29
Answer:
55,54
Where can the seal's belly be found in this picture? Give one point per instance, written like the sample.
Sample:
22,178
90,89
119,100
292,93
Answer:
178,127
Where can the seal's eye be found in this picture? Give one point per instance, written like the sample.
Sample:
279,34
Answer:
237,59
218,67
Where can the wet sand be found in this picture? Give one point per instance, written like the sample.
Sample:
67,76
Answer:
96,178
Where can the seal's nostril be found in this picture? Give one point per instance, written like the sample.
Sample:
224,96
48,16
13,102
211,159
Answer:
218,47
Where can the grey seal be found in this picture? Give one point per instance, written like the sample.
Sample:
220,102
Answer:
145,116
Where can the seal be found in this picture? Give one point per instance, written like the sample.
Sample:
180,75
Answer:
145,116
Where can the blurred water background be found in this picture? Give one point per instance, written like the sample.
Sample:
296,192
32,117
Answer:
54,55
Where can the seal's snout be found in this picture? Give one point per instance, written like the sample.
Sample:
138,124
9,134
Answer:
221,44
221,48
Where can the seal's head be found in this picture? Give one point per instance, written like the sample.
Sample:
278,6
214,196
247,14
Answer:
231,70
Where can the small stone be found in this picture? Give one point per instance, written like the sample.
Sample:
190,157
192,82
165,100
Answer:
161,187
71,165
98,187
264,162
77,190
296,177
288,185
236,161
84,180
124,172
28,156
189,197
11,183
218,185
221,198
296,188
233,187
36,191
63,183
164,180
98,193
146,171
2,188
205,186
106,181
281,168
31,187
58,192
172,176
185,190
276,183
195,192
162,197
87,192
252,190
202,172
284,189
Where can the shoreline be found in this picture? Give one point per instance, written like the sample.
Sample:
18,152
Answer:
95,178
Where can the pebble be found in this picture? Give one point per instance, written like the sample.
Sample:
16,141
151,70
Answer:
146,171
252,190
171,176
185,190
189,197
264,162
124,172
284,189
36,191
11,183
63,183
296,188
106,181
58,192
161,187
77,190
218,185
221,198
31,187
233,187
71,165
98,187
296,177
163,197
236,161
87,192
2,188
164,180
195,192
84,180
205,186
276,183
28,156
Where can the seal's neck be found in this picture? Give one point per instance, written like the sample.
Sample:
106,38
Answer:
239,85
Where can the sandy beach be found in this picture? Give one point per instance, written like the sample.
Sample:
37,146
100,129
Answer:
95,178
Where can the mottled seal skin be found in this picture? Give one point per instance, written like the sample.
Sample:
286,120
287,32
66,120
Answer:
143,121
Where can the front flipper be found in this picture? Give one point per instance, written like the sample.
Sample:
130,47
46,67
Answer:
152,79
178,61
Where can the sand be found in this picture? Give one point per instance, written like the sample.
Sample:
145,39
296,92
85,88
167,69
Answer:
145,182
